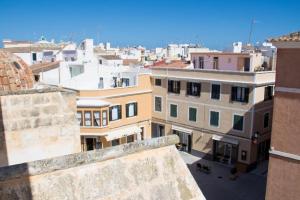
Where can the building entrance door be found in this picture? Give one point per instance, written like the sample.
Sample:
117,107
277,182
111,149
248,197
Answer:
227,153
185,141
224,152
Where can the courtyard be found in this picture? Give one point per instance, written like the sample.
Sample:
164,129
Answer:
218,185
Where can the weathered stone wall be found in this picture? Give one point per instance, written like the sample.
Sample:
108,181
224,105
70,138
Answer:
144,170
37,125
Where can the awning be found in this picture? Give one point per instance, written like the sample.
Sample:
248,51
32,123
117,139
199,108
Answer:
122,132
91,103
92,134
225,139
181,129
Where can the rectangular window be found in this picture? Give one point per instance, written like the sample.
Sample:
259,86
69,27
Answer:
100,84
266,120
125,82
130,138
238,122
193,114
246,64
87,118
79,118
104,118
173,110
34,57
214,118
100,62
268,93
201,62
158,104
131,109
244,155
215,91
75,70
158,82
142,133
193,89
174,86
96,115
240,94
216,63
115,142
115,113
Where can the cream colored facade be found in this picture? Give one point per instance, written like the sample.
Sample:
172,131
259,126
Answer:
123,130
252,138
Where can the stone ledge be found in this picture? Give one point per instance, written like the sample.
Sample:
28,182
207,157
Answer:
83,158
36,91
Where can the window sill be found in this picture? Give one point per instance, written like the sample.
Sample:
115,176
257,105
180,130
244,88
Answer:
116,120
94,127
131,116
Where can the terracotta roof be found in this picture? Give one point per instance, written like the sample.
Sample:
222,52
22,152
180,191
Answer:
171,64
45,66
292,37
14,72
111,57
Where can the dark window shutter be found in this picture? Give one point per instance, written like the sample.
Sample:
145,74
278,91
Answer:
169,86
120,112
233,93
110,113
246,95
135,109
188,88
127,110
178,88
199,89
218,91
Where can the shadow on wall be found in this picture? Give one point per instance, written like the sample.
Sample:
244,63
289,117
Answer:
6,191
3,149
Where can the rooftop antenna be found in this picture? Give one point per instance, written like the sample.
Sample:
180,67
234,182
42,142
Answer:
251,30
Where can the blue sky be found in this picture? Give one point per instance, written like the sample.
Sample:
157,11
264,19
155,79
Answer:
215,24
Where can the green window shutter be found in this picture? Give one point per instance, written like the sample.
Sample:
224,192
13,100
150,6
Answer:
192,114
214,118
173,110
238,122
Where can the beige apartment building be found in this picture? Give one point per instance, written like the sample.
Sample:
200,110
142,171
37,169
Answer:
284,166
224,114
114,116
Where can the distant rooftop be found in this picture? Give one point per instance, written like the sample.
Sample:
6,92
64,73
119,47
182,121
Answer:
292,37
45,66
111,57
171,64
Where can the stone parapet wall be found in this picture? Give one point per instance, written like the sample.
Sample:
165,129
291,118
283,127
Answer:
38,124
149,169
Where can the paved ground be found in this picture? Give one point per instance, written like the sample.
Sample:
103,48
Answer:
217,185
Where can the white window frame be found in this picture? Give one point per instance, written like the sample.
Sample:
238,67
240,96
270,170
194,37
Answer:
188,117
121,112
212,110
161,104
107,117
176,110
133,110
232,122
